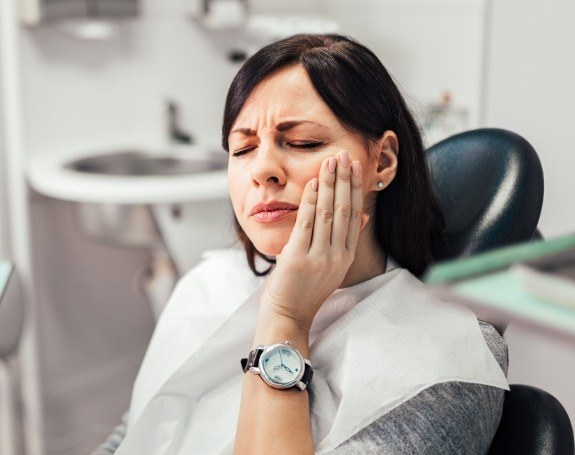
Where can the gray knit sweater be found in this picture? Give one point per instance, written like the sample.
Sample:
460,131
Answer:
446,418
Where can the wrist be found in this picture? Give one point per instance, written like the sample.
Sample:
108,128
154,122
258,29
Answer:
274,328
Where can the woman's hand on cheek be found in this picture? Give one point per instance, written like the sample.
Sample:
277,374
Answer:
321,247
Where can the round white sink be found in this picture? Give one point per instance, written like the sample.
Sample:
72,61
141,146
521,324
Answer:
132,175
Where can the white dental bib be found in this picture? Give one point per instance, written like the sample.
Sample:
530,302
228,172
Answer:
394,343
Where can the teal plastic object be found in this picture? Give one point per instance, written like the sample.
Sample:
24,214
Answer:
493,285
459,269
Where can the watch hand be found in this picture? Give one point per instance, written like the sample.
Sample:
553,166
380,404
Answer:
287,369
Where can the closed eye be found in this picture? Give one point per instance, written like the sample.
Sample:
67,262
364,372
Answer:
297,145
242,151
305,145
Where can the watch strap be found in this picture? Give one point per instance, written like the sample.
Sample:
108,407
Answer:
307,374
252,359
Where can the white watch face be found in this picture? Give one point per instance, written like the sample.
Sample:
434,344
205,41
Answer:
281,365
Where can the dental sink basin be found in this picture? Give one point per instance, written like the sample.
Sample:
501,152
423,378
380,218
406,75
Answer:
117,193
132,175
137,163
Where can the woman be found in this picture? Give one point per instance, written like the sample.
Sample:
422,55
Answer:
329,186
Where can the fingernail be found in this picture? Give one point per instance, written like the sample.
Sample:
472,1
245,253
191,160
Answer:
331,165
344,158
314,184
356,168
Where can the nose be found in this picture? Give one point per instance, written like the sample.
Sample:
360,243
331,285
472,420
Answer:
268,166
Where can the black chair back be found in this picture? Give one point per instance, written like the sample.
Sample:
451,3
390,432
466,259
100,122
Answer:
489,183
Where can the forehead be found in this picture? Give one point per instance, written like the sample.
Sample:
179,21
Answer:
286,94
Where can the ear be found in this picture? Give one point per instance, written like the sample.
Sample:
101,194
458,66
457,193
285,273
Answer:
387,148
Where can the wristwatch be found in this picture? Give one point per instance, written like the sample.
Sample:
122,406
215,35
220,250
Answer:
279,365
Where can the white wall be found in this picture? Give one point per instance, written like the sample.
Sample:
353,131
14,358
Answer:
531,90
4,242
82,94
4,248
428,46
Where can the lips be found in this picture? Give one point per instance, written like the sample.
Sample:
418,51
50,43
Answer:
272,210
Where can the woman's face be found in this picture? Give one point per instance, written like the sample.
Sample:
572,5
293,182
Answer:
276,145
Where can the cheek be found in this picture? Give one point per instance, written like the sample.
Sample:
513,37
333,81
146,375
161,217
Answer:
303,171
306,173
236,188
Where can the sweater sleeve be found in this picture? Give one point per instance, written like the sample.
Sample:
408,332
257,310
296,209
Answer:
446,418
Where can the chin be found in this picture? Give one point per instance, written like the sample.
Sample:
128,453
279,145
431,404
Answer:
273,249
269,243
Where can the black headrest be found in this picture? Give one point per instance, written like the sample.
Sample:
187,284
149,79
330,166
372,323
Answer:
489,184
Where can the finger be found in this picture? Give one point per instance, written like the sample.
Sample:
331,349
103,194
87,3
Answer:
324,213
301,235
355,221
342,201
364,220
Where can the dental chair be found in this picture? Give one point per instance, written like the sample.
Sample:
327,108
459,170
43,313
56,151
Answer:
11,322
489,184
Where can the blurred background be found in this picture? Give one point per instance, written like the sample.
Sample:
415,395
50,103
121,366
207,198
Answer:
132,88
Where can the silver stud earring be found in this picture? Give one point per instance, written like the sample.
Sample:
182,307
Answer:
380,184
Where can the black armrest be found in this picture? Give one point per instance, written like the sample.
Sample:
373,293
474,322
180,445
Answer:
533,422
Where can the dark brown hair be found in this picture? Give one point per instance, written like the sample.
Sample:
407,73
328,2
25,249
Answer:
362,95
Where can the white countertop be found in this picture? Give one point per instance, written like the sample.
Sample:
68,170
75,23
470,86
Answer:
48,175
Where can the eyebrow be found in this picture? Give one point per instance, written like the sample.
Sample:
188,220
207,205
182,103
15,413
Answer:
281,127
